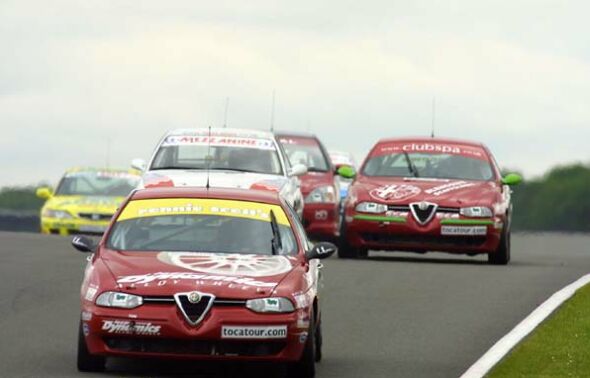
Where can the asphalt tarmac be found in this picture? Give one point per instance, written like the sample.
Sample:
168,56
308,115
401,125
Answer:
393,315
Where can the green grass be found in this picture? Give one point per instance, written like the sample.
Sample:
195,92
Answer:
559,347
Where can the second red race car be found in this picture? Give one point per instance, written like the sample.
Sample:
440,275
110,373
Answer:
191,273
429,194
320,186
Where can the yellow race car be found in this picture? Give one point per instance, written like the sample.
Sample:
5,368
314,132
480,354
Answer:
85,200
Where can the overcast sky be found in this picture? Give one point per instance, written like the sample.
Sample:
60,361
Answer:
75,75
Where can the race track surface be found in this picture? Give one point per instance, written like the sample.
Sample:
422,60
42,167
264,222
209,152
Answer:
394,315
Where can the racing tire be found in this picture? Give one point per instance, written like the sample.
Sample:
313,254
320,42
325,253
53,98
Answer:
318,341
86,361
501,256
305,367
345,250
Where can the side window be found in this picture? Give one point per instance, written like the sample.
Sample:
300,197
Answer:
299,229
284,155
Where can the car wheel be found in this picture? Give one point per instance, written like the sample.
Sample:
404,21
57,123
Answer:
318,341
501,256
345,250
86,361
305,367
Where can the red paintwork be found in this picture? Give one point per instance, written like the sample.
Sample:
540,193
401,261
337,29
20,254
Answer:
322,220
472,193
107,269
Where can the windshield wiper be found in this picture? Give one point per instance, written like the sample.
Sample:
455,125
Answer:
276,242
411,166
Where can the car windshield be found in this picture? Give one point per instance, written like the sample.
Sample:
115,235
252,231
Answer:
213,226
97,183
237,154
429,165
305,151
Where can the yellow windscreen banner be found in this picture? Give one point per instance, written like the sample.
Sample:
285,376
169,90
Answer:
197,206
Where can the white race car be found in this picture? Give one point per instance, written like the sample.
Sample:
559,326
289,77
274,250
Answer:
223,158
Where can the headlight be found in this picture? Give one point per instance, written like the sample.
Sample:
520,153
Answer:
323,194
476,212
120,300
270,305
371,207
60,214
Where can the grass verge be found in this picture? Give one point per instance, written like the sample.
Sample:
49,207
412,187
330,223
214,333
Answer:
559,347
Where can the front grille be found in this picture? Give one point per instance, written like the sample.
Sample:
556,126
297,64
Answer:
195,347
430,240
217,302
95,216
194,312
447,210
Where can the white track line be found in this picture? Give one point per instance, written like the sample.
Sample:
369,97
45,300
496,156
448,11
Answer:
482,366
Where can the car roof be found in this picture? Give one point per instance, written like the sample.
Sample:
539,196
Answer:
431,139
227,132
248,195
297,134
97,169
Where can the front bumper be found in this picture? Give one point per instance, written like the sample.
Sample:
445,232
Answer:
322,220
161,331
405,234
72,226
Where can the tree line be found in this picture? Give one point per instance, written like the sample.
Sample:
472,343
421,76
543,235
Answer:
558,201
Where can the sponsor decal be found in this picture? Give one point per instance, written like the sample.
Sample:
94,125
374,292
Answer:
466,231
219,141
303,338
162,279
85,329
393,213
155,180
395,192
298,141
447,188
269,185
321,215
130,327
254,332
186,206
433,148
86,316
90,293
447,216
230,264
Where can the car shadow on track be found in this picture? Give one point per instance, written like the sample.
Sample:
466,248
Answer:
121,367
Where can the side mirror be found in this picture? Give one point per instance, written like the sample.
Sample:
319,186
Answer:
138,164
84,243
44,192
321,251
512,179
346,171
298,170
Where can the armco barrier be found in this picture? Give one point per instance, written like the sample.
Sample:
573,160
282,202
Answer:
22,222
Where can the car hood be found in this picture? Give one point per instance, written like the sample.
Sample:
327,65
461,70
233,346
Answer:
237,276
451,193
217,179
85,204
312,180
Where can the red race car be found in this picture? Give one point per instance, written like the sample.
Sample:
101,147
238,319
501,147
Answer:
191,273
429,194
320,187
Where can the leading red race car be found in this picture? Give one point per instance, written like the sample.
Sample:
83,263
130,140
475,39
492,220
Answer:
429,194
203,274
